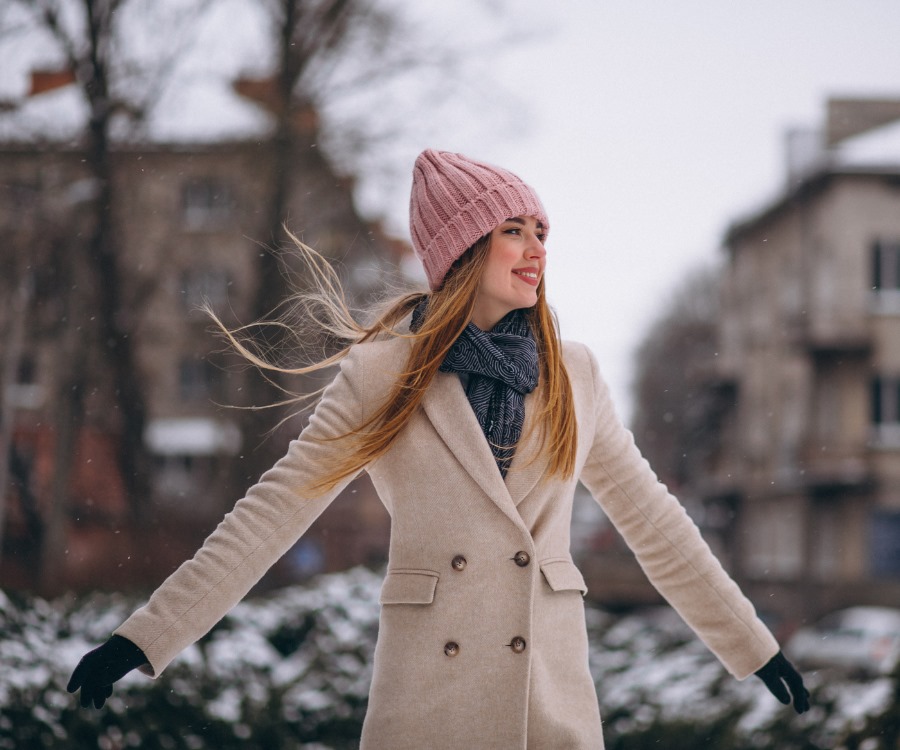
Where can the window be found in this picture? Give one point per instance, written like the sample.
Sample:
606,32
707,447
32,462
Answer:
177,478
885,543
886,277
25,392
199,380
885,409
206,204
885,265
20,197
27,370
202,285
826,541
19,206
775,537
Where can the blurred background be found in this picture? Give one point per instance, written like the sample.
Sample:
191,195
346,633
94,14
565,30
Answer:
723,185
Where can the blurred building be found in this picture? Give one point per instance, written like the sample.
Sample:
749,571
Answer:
192,220
803,495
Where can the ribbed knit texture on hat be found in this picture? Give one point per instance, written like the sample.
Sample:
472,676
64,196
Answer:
455,201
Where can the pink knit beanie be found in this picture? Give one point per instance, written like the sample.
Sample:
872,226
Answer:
455,201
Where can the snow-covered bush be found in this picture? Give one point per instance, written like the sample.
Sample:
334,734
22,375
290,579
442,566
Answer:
292,670
659,686
286,671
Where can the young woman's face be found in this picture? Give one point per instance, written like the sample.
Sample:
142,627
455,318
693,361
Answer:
512,272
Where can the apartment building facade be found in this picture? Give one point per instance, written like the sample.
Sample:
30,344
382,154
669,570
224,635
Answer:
191,223
803,495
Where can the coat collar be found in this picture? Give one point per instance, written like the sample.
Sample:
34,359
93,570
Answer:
448,409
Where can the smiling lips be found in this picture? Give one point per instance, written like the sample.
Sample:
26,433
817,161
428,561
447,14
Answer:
528,275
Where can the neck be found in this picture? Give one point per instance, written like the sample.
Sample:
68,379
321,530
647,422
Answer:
486,321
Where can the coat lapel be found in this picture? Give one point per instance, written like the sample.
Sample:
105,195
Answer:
447,407
529,462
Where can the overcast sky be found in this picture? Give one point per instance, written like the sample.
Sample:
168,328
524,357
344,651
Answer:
646,127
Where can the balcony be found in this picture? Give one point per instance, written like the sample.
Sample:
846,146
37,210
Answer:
838,343
885,436
716,374
833,468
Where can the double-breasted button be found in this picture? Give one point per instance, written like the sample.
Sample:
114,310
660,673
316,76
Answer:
451,648
521,559
517,644
458,563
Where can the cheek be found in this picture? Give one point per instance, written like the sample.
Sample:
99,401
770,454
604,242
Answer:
497,281
504,252
497,271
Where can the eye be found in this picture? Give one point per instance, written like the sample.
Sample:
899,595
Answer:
513,230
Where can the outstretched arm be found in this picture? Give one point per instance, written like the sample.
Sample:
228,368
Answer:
259,530
668,544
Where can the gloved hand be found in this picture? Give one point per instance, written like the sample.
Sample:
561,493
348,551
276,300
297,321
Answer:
777,673
100,668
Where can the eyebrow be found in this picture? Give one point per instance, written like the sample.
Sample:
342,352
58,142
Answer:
517,220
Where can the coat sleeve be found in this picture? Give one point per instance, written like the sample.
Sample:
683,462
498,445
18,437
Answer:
259,530
668,544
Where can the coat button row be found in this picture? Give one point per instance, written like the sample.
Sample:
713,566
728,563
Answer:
521,559
517,644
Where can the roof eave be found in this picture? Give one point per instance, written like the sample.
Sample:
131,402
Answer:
808,185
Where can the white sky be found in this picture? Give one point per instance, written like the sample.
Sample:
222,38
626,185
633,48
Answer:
649,126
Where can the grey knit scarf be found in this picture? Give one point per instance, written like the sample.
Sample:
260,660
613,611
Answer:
502,368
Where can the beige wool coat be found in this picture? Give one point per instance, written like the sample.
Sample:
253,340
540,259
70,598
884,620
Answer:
482,642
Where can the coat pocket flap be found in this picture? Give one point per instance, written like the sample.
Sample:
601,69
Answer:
409,587
562,575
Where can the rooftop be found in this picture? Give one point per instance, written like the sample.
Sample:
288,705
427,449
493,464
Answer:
846,144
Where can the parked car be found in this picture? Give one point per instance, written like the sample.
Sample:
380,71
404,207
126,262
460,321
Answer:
859,639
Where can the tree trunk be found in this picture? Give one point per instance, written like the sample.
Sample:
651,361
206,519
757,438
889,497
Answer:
115,321
272,287
13,349
50,537
69,421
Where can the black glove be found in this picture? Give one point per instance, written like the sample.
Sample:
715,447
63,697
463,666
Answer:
100,668
779,672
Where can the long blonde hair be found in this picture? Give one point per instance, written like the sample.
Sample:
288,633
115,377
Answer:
448,312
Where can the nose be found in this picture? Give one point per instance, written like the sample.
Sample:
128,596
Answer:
535,248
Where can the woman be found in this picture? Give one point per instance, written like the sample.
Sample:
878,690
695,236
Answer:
474,422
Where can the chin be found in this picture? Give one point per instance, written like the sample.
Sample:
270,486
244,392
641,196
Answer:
525,305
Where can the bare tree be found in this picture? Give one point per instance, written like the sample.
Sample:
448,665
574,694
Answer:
677,409
47,302
96,45
331,58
